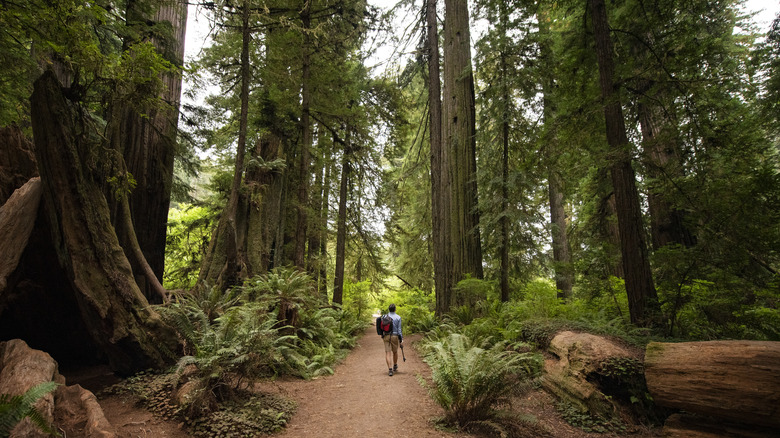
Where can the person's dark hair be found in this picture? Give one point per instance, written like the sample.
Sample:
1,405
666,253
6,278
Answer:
391,308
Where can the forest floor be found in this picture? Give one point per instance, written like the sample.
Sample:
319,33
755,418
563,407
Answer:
358,400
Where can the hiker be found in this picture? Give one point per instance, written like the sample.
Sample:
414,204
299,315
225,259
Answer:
389,327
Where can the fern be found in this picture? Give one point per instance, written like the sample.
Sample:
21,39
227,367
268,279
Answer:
470,378
14,409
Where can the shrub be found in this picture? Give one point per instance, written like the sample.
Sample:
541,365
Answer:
470,291
240,346
470,380
284,290
249,415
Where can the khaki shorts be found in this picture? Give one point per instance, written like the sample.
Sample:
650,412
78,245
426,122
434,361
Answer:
391,343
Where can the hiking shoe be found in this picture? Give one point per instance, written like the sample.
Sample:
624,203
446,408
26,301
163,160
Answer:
390,372
395,367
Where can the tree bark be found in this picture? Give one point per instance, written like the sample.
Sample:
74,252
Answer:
281,258
341,225
323,251
116,313
564,272
17,218
562,264
149,148
642,297
262,204
225,264
306,141
694,426
316,228
133,252
506,103
17,161
440,199
459,135
662,156
607,227
732,380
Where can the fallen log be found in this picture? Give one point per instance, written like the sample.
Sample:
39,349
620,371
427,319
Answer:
575,360
737,381
694,426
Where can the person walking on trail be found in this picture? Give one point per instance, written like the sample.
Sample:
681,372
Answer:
389,327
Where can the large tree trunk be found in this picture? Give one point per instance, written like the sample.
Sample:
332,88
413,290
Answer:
262,205
315,225
459,135
562,264
225,264
732,380
695,426
149,147
341,226
506,103
440,199
306,141
317,229
29,267
116,313
323,251
642,297
564,272
607,225
663,162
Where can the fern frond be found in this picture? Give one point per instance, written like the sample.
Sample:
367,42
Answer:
14,409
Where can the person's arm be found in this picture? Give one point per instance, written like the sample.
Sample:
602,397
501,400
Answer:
400,332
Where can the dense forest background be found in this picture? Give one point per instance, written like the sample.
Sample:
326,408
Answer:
606,164
551,212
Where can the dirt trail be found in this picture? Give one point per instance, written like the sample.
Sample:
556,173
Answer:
348,405
361,400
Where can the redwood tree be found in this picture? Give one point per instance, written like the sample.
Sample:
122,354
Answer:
440,199
111,305
459,142
642,297
148,143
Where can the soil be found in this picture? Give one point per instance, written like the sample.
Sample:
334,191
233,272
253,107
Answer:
358,400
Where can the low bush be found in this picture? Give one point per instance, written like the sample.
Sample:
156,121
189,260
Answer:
248,415
268,327
469,380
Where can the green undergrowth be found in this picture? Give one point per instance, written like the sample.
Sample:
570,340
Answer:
526,325
473,378
589,422
247,414
273,325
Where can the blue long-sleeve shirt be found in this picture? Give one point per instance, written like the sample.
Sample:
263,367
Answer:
396,324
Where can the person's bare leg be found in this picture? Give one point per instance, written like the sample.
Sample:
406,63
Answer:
388,359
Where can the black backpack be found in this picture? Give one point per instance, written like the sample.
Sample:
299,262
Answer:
384,325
